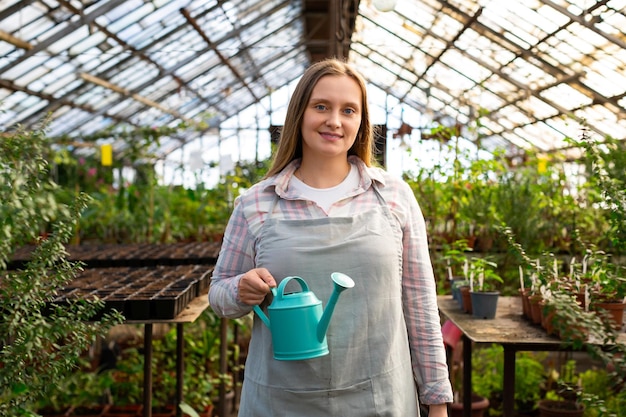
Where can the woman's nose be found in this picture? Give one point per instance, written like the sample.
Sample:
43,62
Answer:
334,119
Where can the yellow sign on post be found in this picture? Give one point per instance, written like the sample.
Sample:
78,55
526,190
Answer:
106,155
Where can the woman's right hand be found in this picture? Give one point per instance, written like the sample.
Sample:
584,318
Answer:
254,286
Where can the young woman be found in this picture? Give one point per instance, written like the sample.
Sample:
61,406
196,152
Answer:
323,207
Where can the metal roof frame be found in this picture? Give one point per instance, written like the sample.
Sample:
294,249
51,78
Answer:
532,71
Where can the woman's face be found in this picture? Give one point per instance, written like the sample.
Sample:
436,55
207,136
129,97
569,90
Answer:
332,118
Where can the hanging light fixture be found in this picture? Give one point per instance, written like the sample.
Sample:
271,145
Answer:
384,5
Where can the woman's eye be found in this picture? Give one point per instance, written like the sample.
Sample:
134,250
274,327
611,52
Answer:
320,107
349,111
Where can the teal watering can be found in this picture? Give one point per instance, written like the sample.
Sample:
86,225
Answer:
296,320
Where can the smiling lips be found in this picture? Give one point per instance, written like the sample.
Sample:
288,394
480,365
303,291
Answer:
330,136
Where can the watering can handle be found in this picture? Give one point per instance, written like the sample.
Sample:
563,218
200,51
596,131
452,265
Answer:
260,312
281,287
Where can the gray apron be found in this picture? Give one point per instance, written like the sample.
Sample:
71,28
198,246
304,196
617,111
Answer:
368,371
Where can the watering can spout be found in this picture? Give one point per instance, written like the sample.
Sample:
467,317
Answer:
341,282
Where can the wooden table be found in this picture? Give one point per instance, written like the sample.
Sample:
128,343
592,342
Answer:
188,315
508,329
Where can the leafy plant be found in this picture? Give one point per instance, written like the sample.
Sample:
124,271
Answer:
483,272
488,370
605,278
127,376
40,341
599,395
83,388
606,166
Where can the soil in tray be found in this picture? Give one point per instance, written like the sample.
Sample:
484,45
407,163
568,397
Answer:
141,293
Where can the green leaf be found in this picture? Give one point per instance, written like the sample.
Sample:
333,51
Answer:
19,388
186,408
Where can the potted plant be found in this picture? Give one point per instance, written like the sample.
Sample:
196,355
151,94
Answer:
560,408
479,406
484,293
607,288
455,259
563,392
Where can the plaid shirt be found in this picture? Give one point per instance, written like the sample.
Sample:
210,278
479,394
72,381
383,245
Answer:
237,256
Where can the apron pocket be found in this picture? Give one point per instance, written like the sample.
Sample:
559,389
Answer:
357,400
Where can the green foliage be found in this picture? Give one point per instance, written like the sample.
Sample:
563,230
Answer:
83,388
606,168
542,198
482,271
577,327
596,390
202,376
39,345
465,195
127,378
488,370
151,213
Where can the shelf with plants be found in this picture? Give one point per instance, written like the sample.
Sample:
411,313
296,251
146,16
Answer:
470,195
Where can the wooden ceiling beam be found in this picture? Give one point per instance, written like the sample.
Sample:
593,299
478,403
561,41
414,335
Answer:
124,92
11,86
15,41
329,25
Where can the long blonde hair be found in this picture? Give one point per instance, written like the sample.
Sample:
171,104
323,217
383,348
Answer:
290,142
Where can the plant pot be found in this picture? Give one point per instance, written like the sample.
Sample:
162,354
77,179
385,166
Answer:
479,406
548,314
553,408
574,333
466,298
614,310
535,308
456,291
484,304
524,293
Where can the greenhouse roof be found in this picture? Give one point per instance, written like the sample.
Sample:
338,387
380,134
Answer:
524,73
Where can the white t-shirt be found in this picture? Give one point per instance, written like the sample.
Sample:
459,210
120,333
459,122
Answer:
325,197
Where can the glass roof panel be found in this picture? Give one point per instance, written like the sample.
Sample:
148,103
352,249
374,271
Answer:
566,96
536,68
